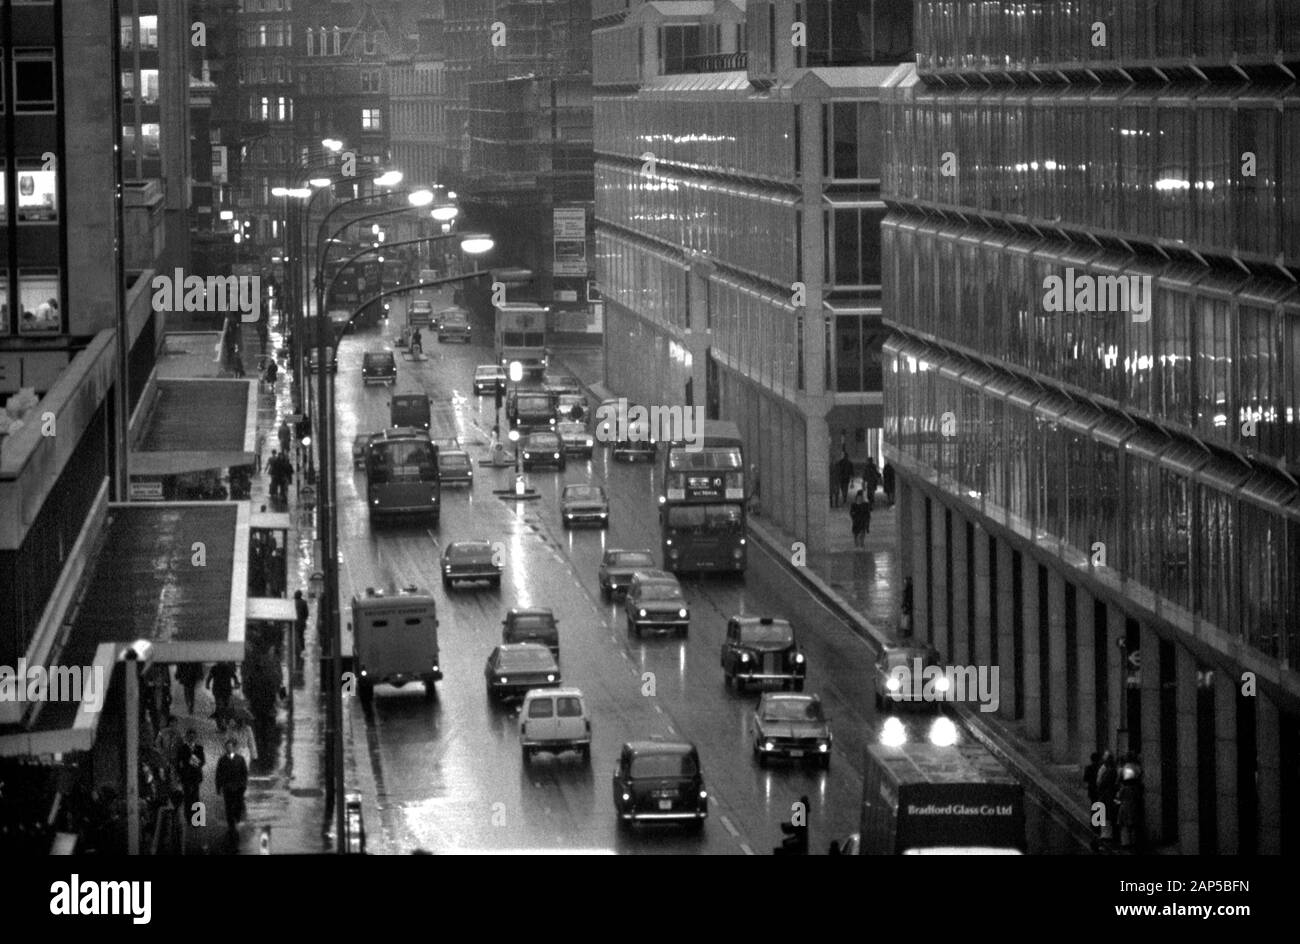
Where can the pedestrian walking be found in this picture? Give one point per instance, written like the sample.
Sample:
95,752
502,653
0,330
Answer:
223,679
231,782
1107,791
860,516
845,468
168,743
189,674
871,477
285,434
242,735
417,342
281,472
835,483
1090,771
190,760
258,447
887,482
1128,799
300,624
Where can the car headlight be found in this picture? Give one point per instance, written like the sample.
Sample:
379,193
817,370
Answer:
941,683
374,501
589,441
823,746
527,455
682,613
893,684
568,514
557,455
798,657
641,612
626,797
550,678
737,553
446,568
744,657
768,745
503,679
604,514
704,794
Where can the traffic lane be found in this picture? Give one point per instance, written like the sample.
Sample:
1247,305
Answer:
450,772
460,783
687,678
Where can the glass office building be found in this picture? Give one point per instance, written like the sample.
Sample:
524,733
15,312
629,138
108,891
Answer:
1092,391
738,219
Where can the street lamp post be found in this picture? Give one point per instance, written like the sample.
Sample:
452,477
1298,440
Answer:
328,529
516,375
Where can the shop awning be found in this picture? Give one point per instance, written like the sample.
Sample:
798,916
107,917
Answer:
73,725
200,416
179,463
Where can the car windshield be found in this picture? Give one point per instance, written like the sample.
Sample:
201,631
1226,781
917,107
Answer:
663,765
631,559
571,429
533,402
711,517
525,660
488,372
532,621
774,634
379,360
792,709
453,461
541,441
904,658
583,493
409,461
660,591
685,459
469,551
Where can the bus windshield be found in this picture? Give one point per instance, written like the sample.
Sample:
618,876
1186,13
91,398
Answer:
523,339
719,458
402,461
702,518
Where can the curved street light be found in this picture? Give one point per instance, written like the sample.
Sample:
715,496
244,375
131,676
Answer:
445,213
477,243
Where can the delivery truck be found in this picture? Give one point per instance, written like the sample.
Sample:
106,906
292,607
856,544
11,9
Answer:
395,640
925,799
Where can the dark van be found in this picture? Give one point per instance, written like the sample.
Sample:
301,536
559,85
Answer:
410,409
378,367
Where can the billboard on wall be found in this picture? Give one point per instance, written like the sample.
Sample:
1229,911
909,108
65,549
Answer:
570,236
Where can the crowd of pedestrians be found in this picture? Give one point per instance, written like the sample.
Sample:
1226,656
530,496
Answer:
1115,800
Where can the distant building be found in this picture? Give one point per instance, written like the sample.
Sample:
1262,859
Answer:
738,209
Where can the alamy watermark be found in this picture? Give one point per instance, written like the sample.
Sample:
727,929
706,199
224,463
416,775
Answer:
919,682
621,422
68,683
1122,294
216,293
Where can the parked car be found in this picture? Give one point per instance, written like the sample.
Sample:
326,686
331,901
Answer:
655,601
489,378
536,624
618,566
575,439
791,726
512,671
660,781
890,689
584,504
455,467
554,720
378,367
471,561
542,448
762,649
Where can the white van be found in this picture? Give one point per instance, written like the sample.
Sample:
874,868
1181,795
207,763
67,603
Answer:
552,720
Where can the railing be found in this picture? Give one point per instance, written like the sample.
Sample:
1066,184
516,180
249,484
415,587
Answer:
710,62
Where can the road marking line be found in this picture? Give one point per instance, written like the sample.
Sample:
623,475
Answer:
659,708
726,823
744,847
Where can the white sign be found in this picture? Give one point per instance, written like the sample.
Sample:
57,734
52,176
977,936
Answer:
570,223
146,490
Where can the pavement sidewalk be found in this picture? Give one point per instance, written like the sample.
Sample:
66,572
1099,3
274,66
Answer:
864,587
285,798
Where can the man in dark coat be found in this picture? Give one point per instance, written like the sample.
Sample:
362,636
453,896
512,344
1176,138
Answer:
231,782
190,759
300,624
222,680
860,516
871,476
887,482
845,469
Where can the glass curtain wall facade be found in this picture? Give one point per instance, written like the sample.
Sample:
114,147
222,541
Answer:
1090,277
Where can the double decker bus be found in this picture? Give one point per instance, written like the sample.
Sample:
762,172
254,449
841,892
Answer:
521,336
350,285
402,478
702,509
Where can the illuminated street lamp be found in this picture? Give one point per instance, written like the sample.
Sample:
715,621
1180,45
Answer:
445,212
420,198
476,244
390,179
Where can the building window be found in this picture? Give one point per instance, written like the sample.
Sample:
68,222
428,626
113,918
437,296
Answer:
4,186
372,119
34,80
679,47
38,302
369,80
37,193
372,44
5,326
338,41
149,32
852,135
